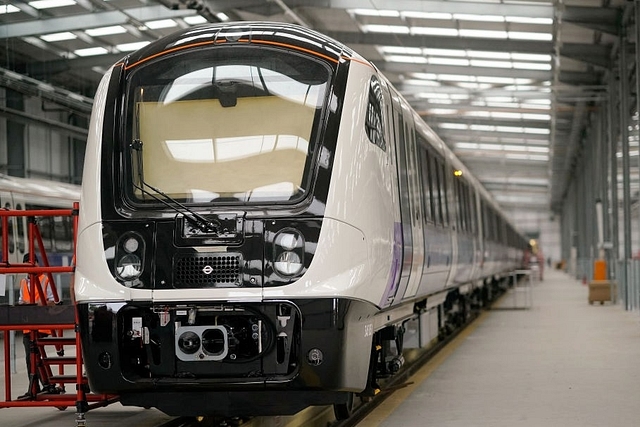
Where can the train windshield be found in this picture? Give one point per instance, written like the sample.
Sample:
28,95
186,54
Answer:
224,125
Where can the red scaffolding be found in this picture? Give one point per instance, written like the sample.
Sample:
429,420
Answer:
54,317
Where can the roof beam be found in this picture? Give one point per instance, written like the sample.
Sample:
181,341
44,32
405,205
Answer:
442,42
89,20
525,10
608,20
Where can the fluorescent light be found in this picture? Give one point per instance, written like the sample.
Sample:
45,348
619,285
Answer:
456,126
106,31
8,8
392,29
57,37
162,23
197,19
530,57
467,145
531,66
427,15
434,31
375,12
529,20
489,34
406,59
490,64
488,55
481,18
47,4
220,15
442,111
130,47
400,50
444,52
420,82
521,35
449,61
91,51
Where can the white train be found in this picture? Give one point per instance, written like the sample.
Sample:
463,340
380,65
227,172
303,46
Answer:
57,232
261,212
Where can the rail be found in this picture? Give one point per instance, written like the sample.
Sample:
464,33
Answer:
45,320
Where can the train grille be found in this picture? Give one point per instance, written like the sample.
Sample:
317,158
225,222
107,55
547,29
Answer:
207,270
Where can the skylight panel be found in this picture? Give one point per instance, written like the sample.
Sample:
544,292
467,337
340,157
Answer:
520,35
401,50
478,18
48,4
162,23
220,15
375,12
449,61
532,66
8,8
528,20
392,29
106,31
427,15
57,37
91,51
489,34
130,47
530,57
406,59
444,52
198,19
434,31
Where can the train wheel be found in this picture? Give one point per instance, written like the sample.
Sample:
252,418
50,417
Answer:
343,411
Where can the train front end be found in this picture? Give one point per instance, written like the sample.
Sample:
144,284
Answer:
206,182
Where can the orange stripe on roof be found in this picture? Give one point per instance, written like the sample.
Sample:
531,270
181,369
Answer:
363,62
302,49
164,52
267,42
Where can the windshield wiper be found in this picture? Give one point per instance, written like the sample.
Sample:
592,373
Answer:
193,217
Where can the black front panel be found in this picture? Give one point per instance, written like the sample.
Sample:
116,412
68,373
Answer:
283,344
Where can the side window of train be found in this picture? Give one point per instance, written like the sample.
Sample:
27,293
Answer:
373,121
45,225
435,193
426,180
444,205
21,234
12,242
62,233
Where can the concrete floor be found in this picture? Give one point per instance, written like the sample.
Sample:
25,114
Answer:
560,363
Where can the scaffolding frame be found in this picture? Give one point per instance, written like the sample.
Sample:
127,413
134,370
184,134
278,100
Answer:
39,315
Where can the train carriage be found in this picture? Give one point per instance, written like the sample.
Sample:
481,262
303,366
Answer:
260,210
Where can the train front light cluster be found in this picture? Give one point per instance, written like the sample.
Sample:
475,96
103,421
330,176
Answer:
288,252
129,257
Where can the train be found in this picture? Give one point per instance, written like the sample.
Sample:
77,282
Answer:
18,193
262,214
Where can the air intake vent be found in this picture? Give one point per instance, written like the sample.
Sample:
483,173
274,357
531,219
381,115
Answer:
207,270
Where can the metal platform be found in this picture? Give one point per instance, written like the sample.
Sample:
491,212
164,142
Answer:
563,362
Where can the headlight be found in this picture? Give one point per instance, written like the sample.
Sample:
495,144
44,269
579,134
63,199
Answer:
129,258
288,252
129,267
288,263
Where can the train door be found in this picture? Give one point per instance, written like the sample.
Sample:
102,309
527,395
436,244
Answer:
415,205
403,184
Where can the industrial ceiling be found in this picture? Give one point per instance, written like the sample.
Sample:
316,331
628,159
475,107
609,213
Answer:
507,84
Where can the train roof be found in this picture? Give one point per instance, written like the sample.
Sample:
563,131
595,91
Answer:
40,191
261,33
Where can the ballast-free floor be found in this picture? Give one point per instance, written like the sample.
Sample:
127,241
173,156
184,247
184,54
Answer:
562,362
